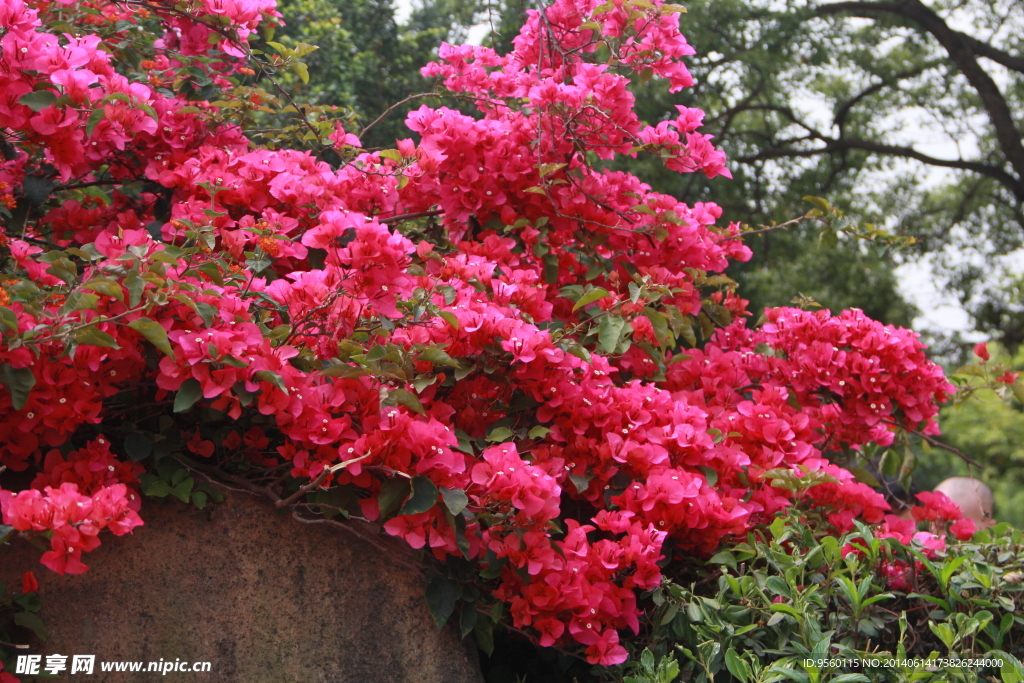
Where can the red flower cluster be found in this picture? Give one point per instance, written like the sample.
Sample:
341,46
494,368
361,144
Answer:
75,519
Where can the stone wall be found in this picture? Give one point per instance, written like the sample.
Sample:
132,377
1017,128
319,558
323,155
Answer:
262,597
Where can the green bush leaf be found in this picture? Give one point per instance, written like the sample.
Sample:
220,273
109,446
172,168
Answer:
92,336
138,446
442,594
154,332
190,392
392,493
31,622
38,100
18,382
455,500
106,287
608,332
590,297
424,496
409,400
273,378
467,619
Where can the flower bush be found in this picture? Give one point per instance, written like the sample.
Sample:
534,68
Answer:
480,339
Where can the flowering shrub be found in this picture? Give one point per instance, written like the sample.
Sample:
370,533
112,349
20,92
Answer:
479,339
790,605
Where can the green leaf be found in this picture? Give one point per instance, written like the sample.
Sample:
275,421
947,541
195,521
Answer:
207,312
455,500
590,297
548,169
154,332
442,594
211,269
539,432
450,318
190,392
18,382
500,435
424,496
273,378
92,336
408,399
97,115
737,667
138,446
106,287
661,327
1011,670
31,622
158,488
467,619
199,499
819,202
301,70
38,100
135,286
183,490
392,493
484,634
437,356
608,333
724,557
8,319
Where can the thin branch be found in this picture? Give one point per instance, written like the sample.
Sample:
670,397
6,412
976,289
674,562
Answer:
769,228
366,129
839,144
938,444
410,216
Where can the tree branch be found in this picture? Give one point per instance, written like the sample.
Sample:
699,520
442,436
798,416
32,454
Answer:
963,51
839,144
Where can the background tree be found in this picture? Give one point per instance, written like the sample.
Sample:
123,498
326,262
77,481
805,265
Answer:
368,61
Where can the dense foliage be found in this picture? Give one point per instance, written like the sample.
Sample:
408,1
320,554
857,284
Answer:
481,339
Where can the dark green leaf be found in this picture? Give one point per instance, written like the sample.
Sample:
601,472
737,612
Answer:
154,332
483,630
424,496
8,319
190,392
442,594
138,446
272,377
467,620
31,622
18,382
392,493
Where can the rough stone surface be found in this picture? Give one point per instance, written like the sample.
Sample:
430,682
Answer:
260,596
